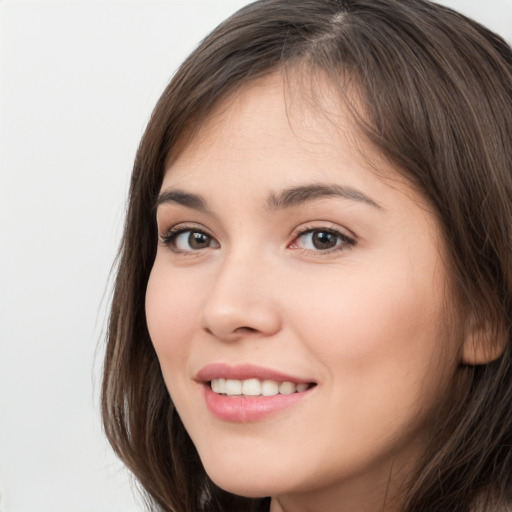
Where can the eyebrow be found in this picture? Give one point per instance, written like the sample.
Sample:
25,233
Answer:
291,197
183,198
299,195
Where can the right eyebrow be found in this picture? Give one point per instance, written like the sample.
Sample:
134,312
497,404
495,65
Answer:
183,198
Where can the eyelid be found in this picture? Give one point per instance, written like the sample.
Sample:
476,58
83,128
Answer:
326,226
179,228
348,238
174,231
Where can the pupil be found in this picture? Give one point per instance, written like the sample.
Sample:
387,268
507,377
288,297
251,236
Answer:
324,240
198,240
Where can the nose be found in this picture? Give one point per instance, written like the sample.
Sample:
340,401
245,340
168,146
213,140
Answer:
241,301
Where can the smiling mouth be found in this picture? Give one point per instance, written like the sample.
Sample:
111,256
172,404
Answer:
248,393
256,387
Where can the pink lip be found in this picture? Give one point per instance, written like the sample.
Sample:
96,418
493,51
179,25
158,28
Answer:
243,372
247,409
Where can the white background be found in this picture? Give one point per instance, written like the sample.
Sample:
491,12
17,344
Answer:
78,82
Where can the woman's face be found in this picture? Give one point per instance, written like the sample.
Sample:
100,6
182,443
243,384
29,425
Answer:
309,292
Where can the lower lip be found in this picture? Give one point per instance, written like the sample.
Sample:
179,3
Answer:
244,409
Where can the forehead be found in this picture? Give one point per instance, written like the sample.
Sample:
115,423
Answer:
273,133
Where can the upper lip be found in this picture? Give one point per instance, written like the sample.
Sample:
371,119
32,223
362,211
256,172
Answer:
244,372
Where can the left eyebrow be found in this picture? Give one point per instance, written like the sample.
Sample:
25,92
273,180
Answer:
299,195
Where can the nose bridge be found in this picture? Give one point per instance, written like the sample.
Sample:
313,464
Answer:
240,299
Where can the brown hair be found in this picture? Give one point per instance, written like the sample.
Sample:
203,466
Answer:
437,94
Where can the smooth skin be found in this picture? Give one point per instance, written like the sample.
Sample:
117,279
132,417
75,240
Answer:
347,289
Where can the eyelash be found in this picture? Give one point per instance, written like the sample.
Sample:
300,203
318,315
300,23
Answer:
170,238
345,242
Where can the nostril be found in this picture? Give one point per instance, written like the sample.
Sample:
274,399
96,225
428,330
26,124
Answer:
238,330
243,330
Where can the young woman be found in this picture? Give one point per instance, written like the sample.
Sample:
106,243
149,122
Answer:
312,309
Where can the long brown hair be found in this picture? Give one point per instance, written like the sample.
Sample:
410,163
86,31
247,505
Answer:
436,91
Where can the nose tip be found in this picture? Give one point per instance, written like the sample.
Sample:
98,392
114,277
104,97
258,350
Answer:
238,318
240,304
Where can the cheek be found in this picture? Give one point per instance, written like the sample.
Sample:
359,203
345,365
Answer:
172,312
386,358
384,330
362,316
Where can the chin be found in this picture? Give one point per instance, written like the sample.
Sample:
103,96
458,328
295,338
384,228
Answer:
247,479
242,485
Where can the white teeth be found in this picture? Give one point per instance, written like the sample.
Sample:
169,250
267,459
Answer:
219,385
269,388
233,387
255,387
251,387
287,388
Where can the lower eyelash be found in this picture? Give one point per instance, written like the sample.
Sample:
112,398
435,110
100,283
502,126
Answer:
171,236
345,242
176,231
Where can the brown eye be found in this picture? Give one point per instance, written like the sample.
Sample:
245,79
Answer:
323,240
198,240
188,240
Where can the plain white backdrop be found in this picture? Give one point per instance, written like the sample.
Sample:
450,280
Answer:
78,82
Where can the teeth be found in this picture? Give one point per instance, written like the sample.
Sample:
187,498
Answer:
219,385
287,388
269,388
233,387
255,387
251,387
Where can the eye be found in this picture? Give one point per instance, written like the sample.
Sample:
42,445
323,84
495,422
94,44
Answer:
185,240
322,240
